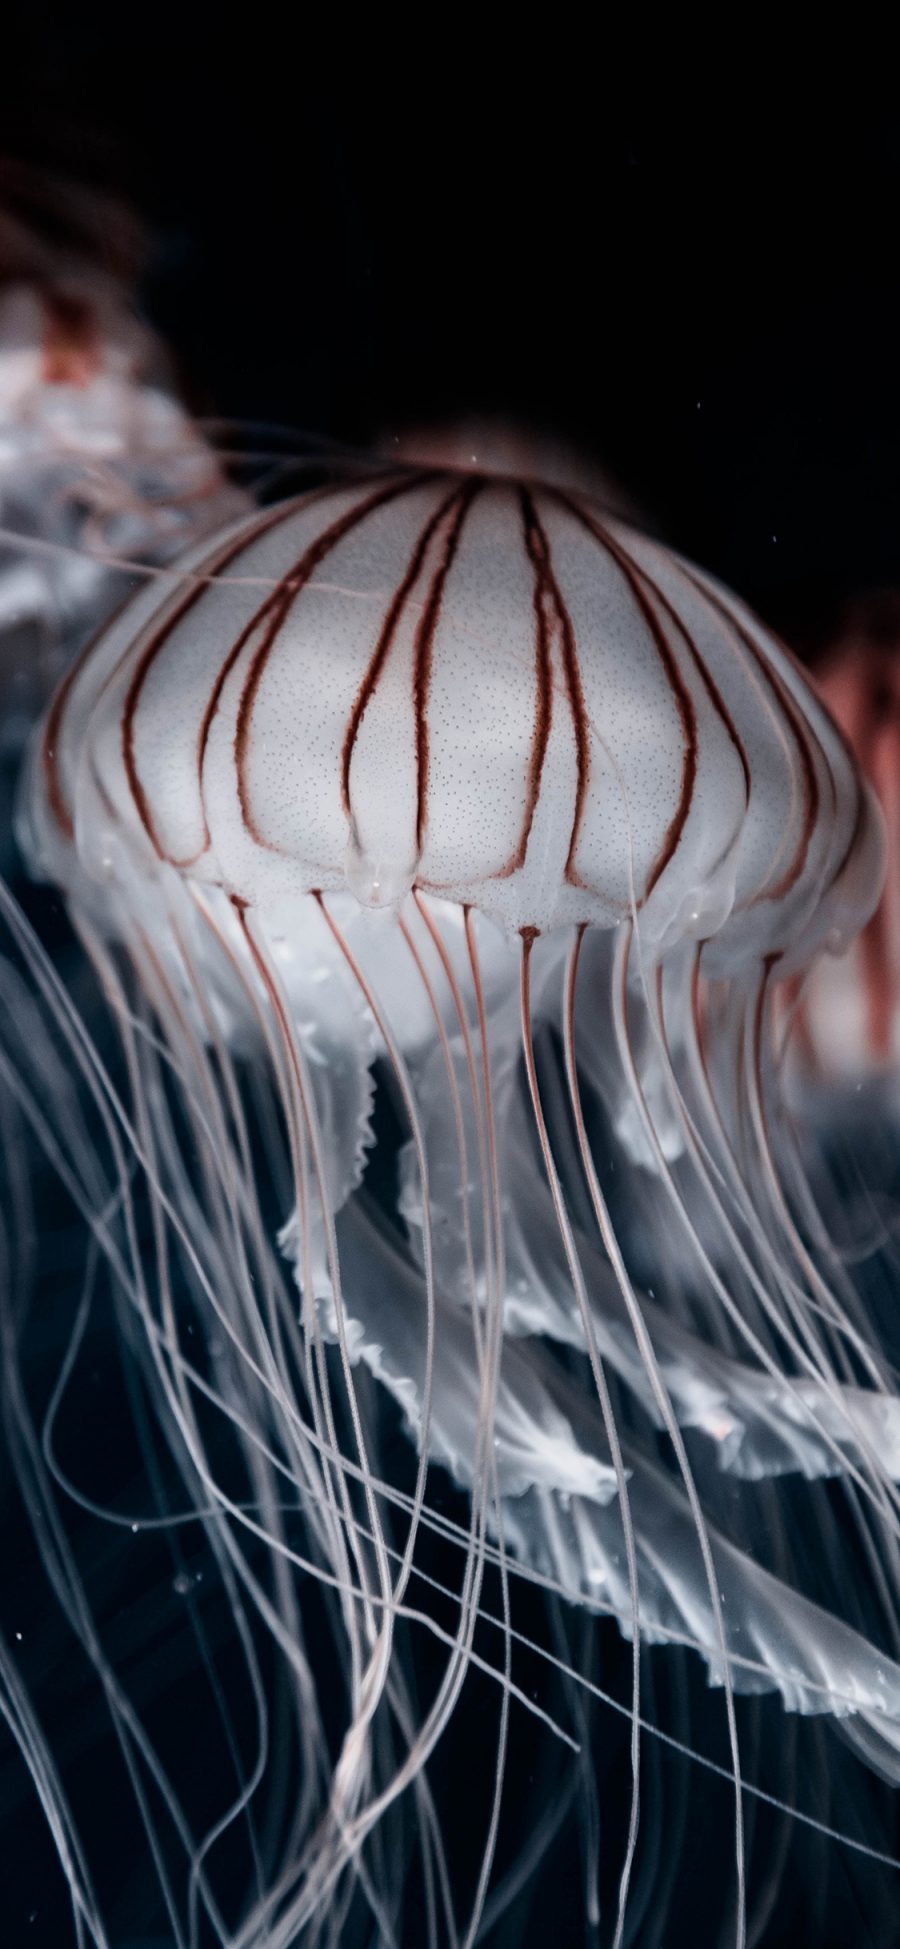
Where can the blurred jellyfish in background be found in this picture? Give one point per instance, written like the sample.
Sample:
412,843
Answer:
100,463
452,1332
853,1005
841,1029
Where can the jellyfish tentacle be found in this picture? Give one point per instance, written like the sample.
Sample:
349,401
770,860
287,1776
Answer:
493,1232
657,1384
286,1644
847,1333
336,1500
176,1391
15,1708
312,1870
341,1524
484,1473
60,1568
139,1091
711,1178
847,1678
607,1414
826,1404
826,1393
350,1779
455,1673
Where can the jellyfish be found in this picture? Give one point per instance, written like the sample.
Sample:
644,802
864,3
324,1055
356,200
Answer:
857,678
99,459
102,469
440,847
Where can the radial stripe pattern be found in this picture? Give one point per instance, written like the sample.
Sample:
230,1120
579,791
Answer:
484,688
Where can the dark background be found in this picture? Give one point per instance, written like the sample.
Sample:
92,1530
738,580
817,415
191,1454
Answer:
647,249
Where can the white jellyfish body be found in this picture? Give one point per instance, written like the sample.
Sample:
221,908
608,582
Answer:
456,793
484,691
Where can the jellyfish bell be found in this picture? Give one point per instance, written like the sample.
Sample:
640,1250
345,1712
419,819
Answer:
457,686
455,798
